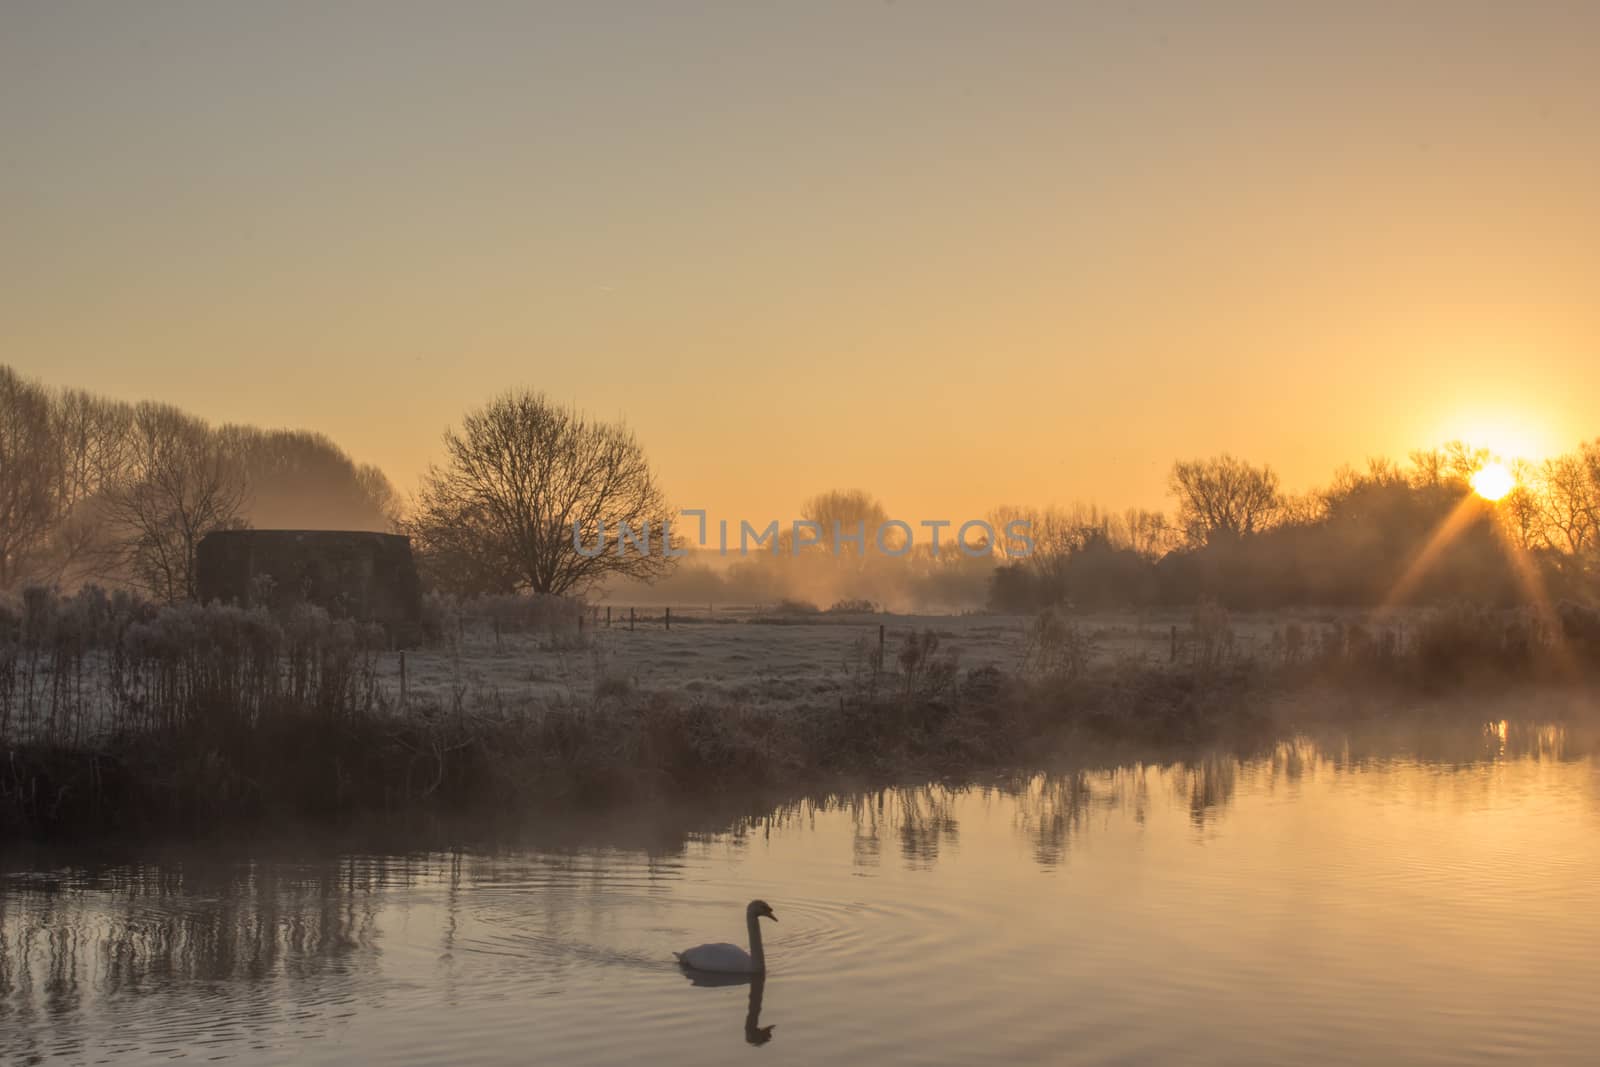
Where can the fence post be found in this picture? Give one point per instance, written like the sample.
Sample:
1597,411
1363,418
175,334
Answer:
1173,658
608,616
669,618
402,679
880,646
631,618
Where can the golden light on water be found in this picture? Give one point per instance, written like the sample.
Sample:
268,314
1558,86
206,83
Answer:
1493,481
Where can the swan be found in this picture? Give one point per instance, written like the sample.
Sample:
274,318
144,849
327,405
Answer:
723,958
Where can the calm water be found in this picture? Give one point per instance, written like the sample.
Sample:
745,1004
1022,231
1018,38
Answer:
1328,904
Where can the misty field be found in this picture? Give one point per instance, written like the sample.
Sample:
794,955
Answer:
118,713
751,655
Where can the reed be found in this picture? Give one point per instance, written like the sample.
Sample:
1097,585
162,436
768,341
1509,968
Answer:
117,714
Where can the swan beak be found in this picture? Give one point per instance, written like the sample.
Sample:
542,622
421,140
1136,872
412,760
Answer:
771,916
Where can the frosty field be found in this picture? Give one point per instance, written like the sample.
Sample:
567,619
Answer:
759,659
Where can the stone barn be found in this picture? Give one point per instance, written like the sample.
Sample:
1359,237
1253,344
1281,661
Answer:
351,573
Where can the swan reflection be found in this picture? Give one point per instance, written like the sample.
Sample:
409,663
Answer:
754,1032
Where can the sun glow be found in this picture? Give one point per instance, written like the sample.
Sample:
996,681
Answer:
1493,481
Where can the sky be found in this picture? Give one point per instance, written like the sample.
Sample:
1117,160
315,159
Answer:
957,254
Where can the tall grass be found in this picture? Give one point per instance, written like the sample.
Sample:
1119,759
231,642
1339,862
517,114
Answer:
96,665
116,713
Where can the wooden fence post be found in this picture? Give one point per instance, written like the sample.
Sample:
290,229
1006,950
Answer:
669,618
631,618
402,679
608,616
880,646
1173,658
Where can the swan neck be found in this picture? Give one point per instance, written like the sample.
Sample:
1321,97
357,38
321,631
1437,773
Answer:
758,957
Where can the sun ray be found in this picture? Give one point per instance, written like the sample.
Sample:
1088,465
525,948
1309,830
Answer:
1446,532
1526,571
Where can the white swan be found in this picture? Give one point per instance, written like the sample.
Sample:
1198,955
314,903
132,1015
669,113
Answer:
723,958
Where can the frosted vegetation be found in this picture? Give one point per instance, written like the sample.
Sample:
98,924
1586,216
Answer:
117,711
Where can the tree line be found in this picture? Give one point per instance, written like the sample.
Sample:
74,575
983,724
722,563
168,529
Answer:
1385,533
100,490
93,489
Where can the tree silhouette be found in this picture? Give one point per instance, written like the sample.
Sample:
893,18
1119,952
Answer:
499,515
1223,498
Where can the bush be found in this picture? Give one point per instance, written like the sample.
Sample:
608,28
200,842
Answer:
1054,646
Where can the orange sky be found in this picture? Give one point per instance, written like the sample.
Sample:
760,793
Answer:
957,254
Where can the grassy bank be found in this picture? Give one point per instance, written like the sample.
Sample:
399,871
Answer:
118,716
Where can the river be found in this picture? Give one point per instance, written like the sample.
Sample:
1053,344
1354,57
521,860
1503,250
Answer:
1410,898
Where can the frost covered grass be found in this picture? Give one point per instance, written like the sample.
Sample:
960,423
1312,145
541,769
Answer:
117,714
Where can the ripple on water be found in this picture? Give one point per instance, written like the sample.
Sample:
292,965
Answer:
1385,911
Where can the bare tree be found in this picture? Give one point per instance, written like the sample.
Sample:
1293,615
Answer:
179,485
1451,465
29,473
302,480
1149,533
1302,509
82,479
848,512
1428,467
1028,522
1568,496
1521,512
1223,498
521,476
379,493
92,435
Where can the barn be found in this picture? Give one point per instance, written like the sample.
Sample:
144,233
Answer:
351,573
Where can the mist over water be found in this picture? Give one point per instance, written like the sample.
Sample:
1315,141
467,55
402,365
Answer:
1416,896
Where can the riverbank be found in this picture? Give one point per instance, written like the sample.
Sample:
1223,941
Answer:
186,719
642,748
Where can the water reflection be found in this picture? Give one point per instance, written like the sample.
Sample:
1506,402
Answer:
754,1032
1208,785
1050,810
82,938
920,818
237,957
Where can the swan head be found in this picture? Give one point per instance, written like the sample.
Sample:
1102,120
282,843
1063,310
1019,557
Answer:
760,909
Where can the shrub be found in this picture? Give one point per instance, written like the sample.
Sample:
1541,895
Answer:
1054,646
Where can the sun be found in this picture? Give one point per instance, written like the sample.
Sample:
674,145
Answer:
1493,481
